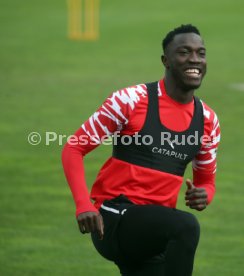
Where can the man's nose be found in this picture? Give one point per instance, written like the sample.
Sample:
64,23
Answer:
194,58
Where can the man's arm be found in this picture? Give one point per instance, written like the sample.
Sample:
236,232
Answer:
201,191
110,117
88,217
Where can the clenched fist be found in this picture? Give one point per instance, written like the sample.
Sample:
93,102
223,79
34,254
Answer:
91,222
196,198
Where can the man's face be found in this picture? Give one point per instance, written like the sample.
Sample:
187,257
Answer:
185,59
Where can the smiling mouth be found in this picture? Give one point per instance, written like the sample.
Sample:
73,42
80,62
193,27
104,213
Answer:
193,73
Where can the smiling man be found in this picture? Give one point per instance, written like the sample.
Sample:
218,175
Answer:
133,220
185,63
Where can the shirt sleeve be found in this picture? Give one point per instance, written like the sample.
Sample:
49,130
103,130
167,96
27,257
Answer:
112,116
205,164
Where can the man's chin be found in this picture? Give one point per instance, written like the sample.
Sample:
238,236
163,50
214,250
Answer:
187,86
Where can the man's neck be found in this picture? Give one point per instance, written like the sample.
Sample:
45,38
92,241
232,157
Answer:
177,93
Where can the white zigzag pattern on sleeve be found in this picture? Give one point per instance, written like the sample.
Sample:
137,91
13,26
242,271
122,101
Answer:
130,96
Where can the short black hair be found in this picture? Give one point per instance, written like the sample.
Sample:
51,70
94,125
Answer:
188,28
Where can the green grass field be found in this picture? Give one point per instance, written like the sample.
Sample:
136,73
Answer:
49,83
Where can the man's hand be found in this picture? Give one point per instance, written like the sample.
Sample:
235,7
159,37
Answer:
91,222
196,198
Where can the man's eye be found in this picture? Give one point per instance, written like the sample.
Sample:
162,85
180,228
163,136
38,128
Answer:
183,53
202,54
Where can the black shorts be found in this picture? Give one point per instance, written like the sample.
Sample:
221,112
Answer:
147,239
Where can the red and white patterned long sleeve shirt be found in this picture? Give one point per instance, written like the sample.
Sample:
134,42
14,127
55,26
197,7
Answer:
125,112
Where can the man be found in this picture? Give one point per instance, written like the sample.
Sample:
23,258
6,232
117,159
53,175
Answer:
133,221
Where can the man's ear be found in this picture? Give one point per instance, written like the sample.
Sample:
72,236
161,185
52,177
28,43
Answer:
164,60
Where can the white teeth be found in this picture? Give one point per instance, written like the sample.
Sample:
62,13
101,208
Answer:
194,75
193,72
196,71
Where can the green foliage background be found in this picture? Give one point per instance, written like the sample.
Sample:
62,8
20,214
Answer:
50,83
